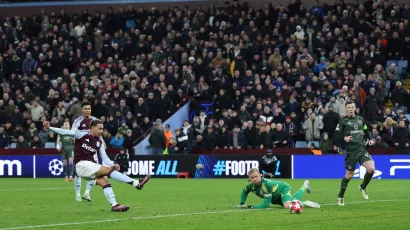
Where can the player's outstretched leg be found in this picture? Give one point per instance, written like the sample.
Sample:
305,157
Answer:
114,174
109,194
343,187
299,194
369,165
86,195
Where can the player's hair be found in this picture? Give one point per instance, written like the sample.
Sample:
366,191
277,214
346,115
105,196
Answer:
349,102
95,123
253,170
85,104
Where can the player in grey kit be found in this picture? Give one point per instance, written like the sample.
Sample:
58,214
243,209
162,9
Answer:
89,144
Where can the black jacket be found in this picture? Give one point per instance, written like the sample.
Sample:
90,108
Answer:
331,119
401,136
279,137
251,136
222,139
266,139
157,139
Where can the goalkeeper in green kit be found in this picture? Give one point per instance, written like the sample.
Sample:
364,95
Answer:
273,192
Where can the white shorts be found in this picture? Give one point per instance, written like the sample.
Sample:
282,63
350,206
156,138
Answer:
87,169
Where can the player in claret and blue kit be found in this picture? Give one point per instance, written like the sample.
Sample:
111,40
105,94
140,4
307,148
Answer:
272,192
83,123
89,144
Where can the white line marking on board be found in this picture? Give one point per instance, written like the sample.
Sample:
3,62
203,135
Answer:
173,215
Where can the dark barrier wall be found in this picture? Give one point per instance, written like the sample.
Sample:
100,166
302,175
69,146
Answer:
167,166
332,167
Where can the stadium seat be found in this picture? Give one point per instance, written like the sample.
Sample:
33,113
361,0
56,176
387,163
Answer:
183,174
50,145
389,62
314,142
402,67
407,116
13,145
301,144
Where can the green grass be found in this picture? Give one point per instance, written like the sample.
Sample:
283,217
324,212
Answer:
202,204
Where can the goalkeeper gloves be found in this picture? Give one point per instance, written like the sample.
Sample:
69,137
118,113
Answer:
242,205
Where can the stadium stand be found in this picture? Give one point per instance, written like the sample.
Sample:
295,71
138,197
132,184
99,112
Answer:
277,75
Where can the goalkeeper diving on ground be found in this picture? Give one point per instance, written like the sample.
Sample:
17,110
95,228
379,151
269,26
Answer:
273,192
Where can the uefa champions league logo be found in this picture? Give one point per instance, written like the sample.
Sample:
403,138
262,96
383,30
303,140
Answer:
55,167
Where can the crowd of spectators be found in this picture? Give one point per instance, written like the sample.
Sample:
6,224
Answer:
276,74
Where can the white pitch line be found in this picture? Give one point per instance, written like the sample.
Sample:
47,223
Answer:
30,189
174,215
369,201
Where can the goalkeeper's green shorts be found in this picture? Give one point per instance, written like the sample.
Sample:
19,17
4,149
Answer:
285,195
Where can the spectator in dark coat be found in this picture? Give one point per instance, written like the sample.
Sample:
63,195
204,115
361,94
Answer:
209,138
22,143
123,108
280,137
266,138
398,97
222,140
141,110
157,140
4,138
164,104
401,138
129,141
251,136
330,119
372,106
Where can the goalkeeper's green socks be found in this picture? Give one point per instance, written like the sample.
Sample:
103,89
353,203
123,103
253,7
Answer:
298,195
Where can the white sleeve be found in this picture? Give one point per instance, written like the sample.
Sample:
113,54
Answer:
105,159
76,124
72,133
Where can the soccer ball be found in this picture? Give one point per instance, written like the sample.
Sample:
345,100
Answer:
295,207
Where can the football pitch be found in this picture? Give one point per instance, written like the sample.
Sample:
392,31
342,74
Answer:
198,204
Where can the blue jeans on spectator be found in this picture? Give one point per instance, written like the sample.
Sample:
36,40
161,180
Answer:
156,151
185,151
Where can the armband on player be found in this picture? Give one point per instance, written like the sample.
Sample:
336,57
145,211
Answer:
368,140
58,146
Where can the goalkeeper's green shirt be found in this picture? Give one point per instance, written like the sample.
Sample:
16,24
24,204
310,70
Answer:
267,190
